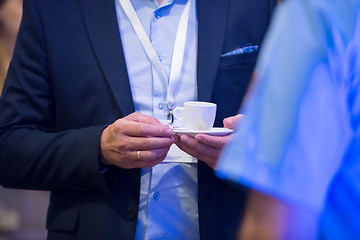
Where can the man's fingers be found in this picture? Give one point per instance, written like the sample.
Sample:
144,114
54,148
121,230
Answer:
138,117
136,140
231,122
148,155
137,125
148,143
137,129
213,141
141,159
209,157
187,149
197,149
152,163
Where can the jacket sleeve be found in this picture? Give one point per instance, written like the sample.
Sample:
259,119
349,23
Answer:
34,154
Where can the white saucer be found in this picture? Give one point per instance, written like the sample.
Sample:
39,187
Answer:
213,132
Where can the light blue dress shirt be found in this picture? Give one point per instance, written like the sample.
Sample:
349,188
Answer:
168,206
300,141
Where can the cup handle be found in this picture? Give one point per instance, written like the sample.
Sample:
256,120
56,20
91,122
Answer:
178,113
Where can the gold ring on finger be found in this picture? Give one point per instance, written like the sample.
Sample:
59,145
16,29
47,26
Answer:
138,155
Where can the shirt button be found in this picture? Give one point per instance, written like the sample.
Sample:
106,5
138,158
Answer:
160,59
156,196
161,106
157,15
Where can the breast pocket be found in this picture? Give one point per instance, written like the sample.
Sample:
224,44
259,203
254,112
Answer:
232,83
239,60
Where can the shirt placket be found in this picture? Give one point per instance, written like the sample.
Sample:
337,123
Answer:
160,85
159,110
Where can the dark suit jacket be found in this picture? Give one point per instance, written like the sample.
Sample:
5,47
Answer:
68,81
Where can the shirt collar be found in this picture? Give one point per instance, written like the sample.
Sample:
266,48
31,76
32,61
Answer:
164,3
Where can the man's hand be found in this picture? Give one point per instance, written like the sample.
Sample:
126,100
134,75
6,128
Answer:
121,141
231,122
205,147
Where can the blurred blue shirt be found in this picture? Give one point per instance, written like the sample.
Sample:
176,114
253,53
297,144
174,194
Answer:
300,140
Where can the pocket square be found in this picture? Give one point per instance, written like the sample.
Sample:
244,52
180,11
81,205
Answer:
241,50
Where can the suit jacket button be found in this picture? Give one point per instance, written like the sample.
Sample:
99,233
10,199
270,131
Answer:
130,214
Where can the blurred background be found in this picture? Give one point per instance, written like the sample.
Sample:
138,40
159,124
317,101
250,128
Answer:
22,213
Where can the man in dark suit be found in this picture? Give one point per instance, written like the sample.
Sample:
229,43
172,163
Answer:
67,121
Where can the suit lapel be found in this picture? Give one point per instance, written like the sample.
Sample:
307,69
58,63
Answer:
211,23
101,23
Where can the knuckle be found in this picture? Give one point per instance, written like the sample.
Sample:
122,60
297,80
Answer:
153,119
147,143
193,144
150,155
121,144
117,126
140,129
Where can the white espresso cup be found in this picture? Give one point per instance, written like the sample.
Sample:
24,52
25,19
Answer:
196,116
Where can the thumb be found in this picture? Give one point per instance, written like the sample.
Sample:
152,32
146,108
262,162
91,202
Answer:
231,122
